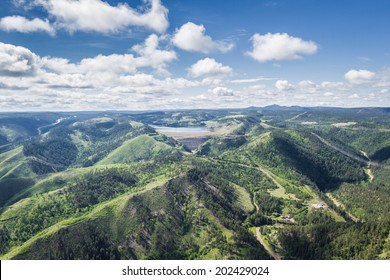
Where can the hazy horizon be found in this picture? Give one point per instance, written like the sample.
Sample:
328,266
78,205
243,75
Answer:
191,109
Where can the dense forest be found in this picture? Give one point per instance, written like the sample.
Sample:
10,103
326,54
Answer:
310,183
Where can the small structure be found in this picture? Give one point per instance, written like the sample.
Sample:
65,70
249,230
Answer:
288,218
319,205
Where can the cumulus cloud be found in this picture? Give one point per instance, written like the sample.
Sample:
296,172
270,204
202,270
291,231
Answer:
308,86
359,76
148,84
13,87
151,53
103,70
112,81
129,81
148,54
64,81
191,37
332,85
23,25
99,16
222,91
16,61
283,85
209,67
328,93
280,46
253,80
354,96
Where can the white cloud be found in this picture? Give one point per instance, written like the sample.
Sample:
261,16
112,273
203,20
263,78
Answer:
71,81
30,82
358,77
128,81
256,87
99,16
16,61
209,67
100,71
147,84
382,78
148,55
222,91
253,80
192,37
57,65
332,85
280,46
308,86
354,96
23,25
328,93
283,85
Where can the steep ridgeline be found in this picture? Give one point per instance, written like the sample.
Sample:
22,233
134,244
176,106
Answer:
78,144
185,218
99,139
301,157
15,174
283,183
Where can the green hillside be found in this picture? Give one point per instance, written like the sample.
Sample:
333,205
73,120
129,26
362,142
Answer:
15,174
292,154
165,221
308,183
140,148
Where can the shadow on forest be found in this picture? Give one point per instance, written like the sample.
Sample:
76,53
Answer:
382,155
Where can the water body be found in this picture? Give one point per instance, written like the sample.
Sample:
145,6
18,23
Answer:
49,125
192,129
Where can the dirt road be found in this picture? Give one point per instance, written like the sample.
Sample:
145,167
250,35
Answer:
259,237
368,170
339,204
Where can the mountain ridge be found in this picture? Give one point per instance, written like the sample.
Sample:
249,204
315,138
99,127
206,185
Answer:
109,186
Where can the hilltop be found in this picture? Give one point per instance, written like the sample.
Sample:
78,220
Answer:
256,183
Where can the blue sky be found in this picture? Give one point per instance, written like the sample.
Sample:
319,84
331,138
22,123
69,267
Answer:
126,54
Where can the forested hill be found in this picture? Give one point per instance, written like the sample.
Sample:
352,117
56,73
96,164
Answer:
256,183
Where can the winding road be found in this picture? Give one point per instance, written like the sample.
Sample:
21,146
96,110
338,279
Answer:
339,204
334,147
366,161
369,171
260,238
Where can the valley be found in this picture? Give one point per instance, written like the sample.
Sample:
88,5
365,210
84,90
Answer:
254,183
